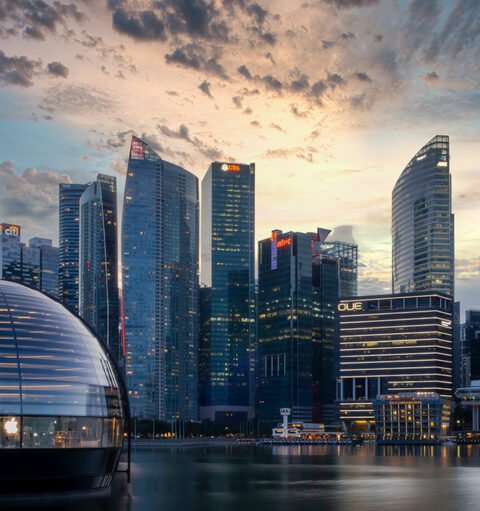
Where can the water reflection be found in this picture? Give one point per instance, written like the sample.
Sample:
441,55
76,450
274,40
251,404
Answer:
330,478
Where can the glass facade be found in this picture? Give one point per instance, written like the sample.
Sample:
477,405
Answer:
57,386
228,348
298,291
69,243
98,268
391,344
347,254
160,286
285,348
10,252
472,342
35,265
48,265
423,223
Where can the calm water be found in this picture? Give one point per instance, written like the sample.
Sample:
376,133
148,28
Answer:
296,478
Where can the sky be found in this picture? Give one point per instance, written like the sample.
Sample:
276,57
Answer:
329,98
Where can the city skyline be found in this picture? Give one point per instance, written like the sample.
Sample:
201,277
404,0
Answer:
336,108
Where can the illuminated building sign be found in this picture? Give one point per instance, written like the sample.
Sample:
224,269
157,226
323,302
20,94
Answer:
10,231
137,150
275,245
285,242
352,306
230,167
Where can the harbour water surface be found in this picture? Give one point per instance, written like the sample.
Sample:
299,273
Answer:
281,478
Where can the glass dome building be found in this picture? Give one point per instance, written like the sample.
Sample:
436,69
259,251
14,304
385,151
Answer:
61,408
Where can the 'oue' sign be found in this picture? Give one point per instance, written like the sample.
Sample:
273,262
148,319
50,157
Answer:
352,306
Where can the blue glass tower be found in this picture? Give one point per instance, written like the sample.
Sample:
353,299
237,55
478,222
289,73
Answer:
160,286
423,223
228,333
98,286
69,240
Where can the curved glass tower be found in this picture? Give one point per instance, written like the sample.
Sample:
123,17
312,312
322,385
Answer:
98,268
423,223
61,412
160,286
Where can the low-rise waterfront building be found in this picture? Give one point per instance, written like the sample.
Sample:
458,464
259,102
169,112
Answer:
411,418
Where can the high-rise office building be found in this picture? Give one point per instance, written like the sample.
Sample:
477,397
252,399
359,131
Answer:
390,344
228,349
423,223
285,344
69,243
298,291
160,286
34,264
30,264
472,341
10,252
98,262
347,255
48,265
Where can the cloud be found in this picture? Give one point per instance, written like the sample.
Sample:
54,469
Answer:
277,127
302,153
183,133
18,70
193,56
144,25
31,195
300,83
38,17
57,69
237,101
244,71
348,4
258,12
272,83
431,77
296,112
78,99
362,76
205,88
169,19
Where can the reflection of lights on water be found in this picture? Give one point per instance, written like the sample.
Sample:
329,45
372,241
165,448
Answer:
11,426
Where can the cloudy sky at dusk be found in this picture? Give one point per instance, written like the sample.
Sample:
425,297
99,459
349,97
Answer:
329,98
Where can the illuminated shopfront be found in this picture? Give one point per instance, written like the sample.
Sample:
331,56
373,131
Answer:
61,411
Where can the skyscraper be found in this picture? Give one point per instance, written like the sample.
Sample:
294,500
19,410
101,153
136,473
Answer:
10,252
423,223
298,291
347,254
472,341
48,265
35,264
391,344
285,347
227,350
69,240
98,262
160,286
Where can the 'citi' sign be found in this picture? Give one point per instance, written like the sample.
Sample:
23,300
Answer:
11,231
352,306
